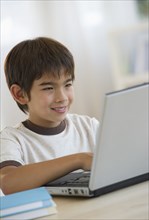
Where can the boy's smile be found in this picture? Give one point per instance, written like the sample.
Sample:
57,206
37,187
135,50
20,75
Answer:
59,109
50,100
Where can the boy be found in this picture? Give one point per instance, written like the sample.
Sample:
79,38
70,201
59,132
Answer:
50,143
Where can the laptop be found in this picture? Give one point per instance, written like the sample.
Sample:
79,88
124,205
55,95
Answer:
121,157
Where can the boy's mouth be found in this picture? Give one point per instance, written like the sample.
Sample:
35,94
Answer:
59,109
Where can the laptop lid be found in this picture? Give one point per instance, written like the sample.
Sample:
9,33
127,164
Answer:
122,146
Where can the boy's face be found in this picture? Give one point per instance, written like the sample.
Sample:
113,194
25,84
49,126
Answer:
50,100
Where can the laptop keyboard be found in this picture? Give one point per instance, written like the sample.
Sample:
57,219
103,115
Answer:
72,179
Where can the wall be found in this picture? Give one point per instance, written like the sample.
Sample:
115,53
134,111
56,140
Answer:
83,26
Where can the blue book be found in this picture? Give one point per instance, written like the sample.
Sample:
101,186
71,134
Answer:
24,201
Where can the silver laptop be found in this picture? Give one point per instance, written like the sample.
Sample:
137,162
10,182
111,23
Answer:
121,157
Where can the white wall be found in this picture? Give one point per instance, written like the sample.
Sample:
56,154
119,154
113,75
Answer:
83,26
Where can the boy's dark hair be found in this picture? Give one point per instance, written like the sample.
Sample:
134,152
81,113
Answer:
30,59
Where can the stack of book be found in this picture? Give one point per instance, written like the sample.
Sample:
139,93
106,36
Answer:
28,204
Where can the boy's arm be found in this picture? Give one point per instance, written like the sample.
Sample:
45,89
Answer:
13,179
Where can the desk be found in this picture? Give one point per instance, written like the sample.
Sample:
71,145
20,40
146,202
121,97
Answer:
130,203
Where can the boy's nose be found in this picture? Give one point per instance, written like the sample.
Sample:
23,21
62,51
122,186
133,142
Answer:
60,96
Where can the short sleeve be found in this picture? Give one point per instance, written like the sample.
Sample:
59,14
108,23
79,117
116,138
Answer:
10,150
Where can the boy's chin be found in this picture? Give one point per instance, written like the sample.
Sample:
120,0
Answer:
60,119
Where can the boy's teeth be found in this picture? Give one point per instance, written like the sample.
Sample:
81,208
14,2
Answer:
59,108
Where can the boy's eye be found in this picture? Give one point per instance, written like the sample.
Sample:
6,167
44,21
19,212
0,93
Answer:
48,88
68,84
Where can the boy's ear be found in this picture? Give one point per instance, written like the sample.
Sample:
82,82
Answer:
18,94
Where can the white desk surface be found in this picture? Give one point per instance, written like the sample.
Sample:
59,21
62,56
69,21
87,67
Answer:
130,203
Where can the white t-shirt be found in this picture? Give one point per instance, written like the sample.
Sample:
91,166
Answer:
22,145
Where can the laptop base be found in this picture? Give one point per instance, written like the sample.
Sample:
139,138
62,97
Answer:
86,192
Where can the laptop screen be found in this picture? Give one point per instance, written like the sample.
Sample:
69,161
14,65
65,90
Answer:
122,146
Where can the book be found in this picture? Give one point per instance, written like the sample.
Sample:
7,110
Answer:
35,202
27,207
37,213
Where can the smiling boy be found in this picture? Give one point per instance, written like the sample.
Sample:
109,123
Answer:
51,142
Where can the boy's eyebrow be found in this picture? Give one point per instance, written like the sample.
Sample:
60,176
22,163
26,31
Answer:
53,83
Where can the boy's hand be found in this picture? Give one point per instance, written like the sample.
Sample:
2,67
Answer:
86,160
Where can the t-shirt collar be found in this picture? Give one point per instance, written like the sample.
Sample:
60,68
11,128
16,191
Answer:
43,130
